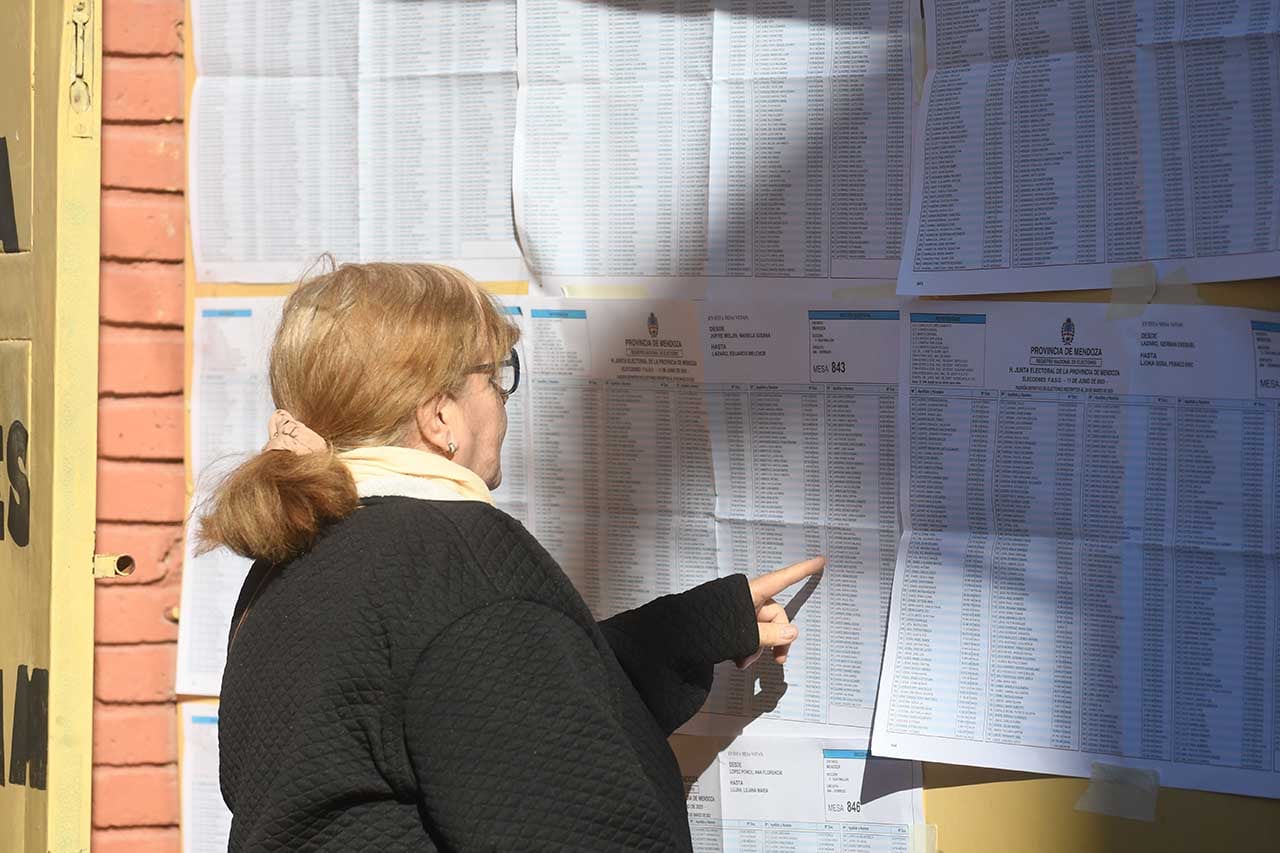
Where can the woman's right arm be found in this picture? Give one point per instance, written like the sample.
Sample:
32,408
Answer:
669,646
515,745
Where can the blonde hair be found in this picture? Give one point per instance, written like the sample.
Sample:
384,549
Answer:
358,350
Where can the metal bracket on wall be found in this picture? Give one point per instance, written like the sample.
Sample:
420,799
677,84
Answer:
82,120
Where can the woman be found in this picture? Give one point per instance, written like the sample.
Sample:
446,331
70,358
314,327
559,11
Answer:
408,669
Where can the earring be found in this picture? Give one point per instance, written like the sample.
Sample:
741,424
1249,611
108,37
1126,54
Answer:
453,448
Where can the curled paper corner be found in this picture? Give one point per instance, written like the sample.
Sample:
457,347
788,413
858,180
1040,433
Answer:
605,291
924,838
1128,792
1132,288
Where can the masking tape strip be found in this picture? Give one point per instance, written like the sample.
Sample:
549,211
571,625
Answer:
605,291
506,288
1121,792
1176,278
924,838
1176,289
870,290
1132,288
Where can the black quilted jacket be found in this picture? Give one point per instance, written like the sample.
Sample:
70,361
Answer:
426,678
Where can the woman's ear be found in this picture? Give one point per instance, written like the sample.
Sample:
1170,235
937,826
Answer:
434,422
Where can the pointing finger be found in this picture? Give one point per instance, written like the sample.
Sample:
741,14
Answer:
768,585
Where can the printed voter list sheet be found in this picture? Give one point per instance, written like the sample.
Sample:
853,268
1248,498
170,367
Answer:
1058,145
757,793
658,146
206,820
801,403
810,139
436,118
606,458
378,130
655,445
272,175
1088,570
230,405
272,135
612,140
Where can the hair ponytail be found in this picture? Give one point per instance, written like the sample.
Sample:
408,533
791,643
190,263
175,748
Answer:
273,506
358,349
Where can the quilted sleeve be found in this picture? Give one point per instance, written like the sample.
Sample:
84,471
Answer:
669,646
515,745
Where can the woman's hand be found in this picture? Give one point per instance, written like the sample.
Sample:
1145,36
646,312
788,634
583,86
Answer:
776,631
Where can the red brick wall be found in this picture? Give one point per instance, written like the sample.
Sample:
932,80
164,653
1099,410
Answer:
140,450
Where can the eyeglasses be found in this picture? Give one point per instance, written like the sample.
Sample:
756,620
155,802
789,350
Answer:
506,374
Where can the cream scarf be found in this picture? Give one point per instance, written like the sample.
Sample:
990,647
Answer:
384,470
405,472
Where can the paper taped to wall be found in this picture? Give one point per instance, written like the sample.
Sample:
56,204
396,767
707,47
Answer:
1088,570
757,793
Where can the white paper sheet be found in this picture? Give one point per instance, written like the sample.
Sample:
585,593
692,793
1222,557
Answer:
437,122
285,38
379,130
655,445
605,454
810,139
745,140
797,794
612,137
1089,565
802,405
206,820
272,178
230,405
1058,145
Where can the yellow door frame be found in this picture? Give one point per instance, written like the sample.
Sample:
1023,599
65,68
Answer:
50,112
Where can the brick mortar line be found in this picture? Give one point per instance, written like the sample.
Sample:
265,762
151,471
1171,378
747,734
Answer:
168,523
100,644
124,259
143,190
121,54
139,191
135,324
140,122
174,460
173,524
142,395
169,54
